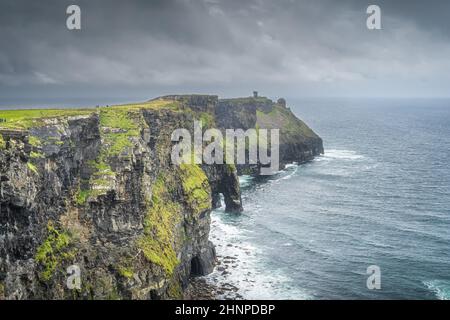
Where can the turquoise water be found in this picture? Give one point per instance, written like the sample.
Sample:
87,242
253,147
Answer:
379,196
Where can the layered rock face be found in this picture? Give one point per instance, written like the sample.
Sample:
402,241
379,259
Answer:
298,143
96,189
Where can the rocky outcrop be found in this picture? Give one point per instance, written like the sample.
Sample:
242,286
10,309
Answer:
298,143
95,189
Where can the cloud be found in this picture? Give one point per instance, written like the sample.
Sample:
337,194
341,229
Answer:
228,46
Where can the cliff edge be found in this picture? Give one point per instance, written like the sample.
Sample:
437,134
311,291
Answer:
93,192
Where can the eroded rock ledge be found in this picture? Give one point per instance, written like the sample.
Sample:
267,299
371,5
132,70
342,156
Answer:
95,188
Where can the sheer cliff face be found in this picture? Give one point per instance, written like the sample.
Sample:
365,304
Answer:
298,143
96,189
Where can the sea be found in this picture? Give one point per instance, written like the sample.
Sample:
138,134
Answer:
379,196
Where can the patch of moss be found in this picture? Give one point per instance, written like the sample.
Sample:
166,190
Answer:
34,141
32,167
125,271
97,186
262,138
196,187
174,290
207,120
53,251
36,155
118,127
101,167
231,167
157,243
99,182
81,196
113,295
247,171
2,142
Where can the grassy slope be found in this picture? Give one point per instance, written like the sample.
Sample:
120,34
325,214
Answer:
28,118
284,120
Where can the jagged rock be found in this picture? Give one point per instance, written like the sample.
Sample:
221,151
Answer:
96,189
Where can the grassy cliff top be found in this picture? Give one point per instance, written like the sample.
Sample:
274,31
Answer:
247,100
284,119
27,118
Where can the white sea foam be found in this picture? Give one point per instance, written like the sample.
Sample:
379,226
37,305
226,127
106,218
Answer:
291,165
289,171
343,154
241,267
290,175
245,180
340,154
440,288
346,163
287,244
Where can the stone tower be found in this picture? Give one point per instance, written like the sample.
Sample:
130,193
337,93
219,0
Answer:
282,102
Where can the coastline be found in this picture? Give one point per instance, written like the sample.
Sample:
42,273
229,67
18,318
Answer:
200,289
110,151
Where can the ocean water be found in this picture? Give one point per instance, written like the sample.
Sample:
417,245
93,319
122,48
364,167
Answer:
379,196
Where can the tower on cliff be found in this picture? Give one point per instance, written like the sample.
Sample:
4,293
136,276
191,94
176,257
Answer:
282,102
255,94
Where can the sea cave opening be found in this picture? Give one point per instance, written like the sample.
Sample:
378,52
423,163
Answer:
196,267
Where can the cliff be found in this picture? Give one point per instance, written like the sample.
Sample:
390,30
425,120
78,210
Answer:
96,188
298,143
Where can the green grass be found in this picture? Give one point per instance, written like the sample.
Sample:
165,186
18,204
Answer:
283,119
28,118
207,120
174,290
36,155
32,167
117,127
152,105
53,251
34,141
125,271
159,240
117,118
98,185
25,119
247,100
81,196
157,243
2,142
231,168
195,187
102,168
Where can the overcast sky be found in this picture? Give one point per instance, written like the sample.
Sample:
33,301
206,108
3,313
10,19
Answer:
289,48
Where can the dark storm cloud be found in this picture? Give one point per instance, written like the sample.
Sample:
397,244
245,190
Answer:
226,46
